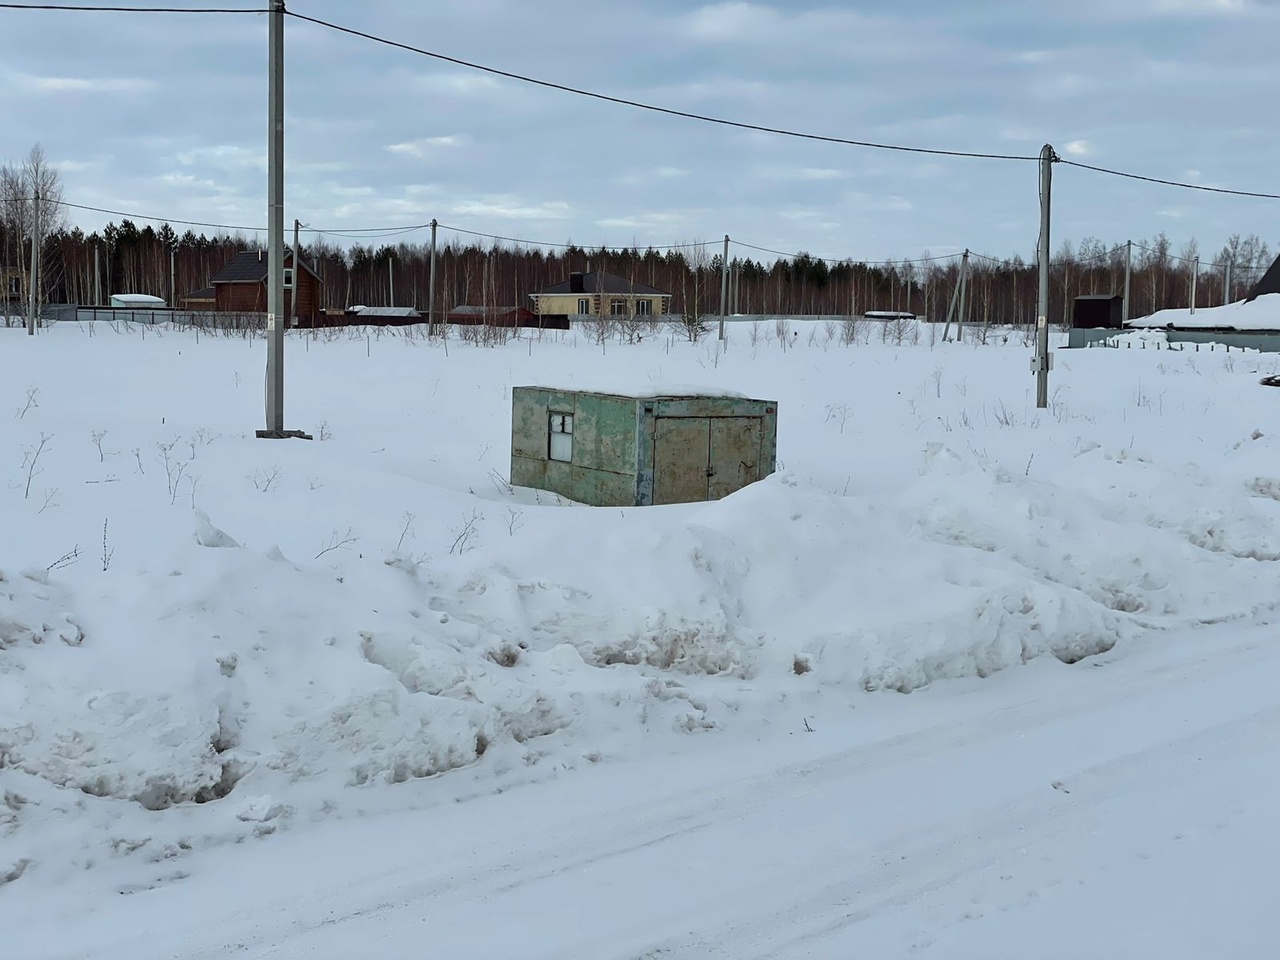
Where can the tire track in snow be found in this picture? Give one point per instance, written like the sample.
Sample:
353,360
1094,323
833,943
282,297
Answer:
566,848
816,910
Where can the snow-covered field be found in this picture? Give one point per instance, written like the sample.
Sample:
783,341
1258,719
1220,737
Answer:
965,678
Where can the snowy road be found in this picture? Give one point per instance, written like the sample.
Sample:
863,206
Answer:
1120,807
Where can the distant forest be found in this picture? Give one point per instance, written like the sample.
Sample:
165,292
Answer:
135,259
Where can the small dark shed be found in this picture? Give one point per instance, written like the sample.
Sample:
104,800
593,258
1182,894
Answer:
1098,310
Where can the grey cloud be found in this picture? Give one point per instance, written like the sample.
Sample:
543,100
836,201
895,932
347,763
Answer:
378,137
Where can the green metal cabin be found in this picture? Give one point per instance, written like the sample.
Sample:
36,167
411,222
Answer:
609,450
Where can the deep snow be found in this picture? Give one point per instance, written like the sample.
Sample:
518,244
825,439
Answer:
305,638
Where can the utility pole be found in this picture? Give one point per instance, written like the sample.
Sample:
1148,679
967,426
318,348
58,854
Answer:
1128,275
97,274
173,278
1043,360
1226,286
35,265
955,297
391,279
431,285
275,227
964,297
1195,276
724,283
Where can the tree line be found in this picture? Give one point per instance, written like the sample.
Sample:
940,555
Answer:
86,268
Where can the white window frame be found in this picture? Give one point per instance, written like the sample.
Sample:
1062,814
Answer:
584,306
560,437
618,307
644,308
288,278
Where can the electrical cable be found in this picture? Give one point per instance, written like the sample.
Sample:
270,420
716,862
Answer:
85,8
837,260
668,111
1170,183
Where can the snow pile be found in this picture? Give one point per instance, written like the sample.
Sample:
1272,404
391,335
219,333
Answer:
1260,314
279,632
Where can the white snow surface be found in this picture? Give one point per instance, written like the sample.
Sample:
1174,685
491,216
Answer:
962,672
1260,314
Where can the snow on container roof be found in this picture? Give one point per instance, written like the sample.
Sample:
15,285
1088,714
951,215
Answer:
136,300
636,390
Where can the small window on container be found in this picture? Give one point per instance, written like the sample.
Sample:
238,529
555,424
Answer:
561,447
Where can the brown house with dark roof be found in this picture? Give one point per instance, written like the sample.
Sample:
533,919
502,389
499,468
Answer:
241,286
600,294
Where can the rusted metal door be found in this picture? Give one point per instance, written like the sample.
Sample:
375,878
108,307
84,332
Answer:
681,459
734,459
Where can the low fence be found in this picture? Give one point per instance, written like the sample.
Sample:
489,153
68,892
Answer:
1264,341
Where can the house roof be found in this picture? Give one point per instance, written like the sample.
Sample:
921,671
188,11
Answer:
599,281
250,266
204,293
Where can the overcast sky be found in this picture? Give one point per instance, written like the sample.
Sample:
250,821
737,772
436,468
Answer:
166,116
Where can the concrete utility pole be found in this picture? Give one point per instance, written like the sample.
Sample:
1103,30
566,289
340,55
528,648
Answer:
961,283
431,285
1226,286
964,297
173,278
275,227
391,280
35,266
724,283
97,274
1043,360
1128,275
1195,276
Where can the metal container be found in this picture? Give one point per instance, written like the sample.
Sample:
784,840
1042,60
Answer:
613,450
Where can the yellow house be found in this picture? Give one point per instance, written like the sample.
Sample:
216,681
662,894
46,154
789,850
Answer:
600,294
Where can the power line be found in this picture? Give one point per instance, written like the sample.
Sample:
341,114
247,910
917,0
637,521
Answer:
1000,260
139,216
622,101
356,233
1171,183
564,246
792,256
85,8
370,233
